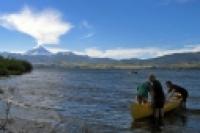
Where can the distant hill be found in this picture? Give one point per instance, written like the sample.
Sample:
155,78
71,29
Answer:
41,56
177,58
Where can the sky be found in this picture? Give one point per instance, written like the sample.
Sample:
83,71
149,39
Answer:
102,28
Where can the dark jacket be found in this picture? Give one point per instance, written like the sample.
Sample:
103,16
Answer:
180,90
158,97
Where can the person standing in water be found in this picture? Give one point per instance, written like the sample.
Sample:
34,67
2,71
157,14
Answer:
178,89
142,92
158,99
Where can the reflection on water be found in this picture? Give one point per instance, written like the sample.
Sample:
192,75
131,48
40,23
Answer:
98,100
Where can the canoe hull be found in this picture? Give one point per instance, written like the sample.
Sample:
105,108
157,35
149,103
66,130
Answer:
139,111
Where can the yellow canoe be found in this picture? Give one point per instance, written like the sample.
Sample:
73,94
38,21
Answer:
139,111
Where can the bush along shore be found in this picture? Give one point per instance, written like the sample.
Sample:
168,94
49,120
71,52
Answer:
13,66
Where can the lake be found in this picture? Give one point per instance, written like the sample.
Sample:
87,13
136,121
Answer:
96,100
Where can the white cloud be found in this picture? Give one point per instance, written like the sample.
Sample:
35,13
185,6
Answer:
122,53
85,24
56,49
142,53
45,26
88,29
89,35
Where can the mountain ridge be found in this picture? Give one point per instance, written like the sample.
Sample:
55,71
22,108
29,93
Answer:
42,56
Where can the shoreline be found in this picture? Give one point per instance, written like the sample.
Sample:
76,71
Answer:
113,67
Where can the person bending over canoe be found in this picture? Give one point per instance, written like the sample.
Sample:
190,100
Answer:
173,88
158,99
142,92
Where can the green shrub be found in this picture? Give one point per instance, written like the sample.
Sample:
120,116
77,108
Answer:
3,71
27,65
13,66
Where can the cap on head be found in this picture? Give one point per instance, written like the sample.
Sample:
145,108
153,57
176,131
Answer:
152,77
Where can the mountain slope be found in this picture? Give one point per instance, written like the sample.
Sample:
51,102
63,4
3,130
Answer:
177,58
38,51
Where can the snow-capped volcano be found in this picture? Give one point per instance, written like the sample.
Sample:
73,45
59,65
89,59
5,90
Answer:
40,50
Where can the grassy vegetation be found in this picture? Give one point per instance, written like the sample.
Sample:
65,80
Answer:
13,66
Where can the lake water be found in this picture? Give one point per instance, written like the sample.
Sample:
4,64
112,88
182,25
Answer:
96,100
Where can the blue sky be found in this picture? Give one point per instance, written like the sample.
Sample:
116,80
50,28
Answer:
102,28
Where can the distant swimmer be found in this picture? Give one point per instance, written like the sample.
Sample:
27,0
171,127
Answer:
134,72
173,88
142,92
